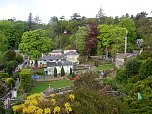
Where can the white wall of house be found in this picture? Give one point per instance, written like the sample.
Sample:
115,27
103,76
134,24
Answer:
31,63
66,69
41,63
66,51
73,58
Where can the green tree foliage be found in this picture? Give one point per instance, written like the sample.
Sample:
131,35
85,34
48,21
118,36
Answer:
132,67
2,107
142,106
121,76
87,80
10,61
81,35
71,71
146,69
10,67
129,24
3,89
35,42
3,42
55,72
92,102
62,71
13,31
26,79
10,82
19,59
112,37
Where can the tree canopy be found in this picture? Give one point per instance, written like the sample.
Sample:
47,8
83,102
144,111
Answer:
35,42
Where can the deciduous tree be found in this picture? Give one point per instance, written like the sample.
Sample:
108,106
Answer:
34,43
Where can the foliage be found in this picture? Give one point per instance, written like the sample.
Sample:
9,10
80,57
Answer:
3,88
146,69
91,39
143,28
19,59
13,31
143,105
129,24
10,67
82,101
3,75
62,71
81,35
3,42
1,107
71,71
96,63
37,104
35,42
145,55
26,79
111,36
88,81
92,102
132,67
10,82
121,76
55,72
10,61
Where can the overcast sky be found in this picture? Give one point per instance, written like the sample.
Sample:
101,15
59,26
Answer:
45,9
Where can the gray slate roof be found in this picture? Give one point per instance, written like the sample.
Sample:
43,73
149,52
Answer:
71,53
51,58
59,63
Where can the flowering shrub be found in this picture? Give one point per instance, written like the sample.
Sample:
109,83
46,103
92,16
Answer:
37,104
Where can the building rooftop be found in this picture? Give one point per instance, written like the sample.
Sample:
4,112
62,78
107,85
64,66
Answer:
59,63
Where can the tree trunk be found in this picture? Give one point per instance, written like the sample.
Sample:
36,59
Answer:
106,53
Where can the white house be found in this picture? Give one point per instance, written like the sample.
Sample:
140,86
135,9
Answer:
54,58
56,53
71,55
66,65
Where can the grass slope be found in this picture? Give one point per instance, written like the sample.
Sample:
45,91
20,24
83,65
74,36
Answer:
42,86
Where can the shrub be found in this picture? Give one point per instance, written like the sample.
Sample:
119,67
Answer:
55,72
3,75
92,102
132,67
71,71
26,79
146,69
10,82
121,76
62,71
88,81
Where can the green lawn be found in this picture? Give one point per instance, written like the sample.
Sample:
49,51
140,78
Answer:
42,86
105,67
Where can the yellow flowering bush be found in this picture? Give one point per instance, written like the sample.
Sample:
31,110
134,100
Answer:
37,104
68,108
53,95
47,111
71,96
56,110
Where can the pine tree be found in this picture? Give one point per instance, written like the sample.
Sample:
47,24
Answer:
70,71
55,72
62,71
30,21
